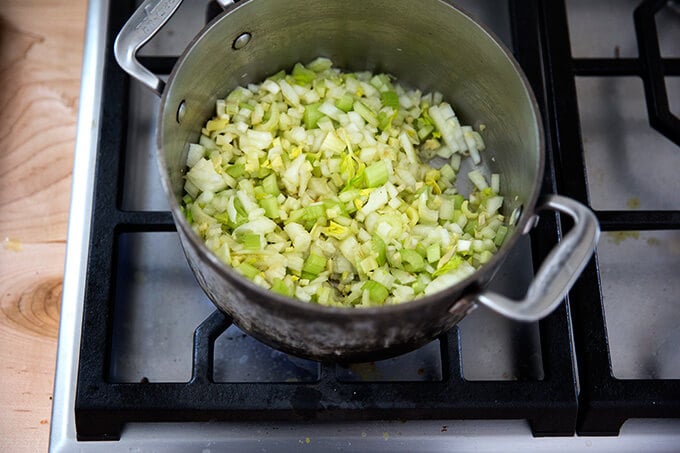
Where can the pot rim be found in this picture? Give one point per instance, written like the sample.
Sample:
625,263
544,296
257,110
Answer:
280,302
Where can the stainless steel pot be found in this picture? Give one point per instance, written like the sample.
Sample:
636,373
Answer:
427,44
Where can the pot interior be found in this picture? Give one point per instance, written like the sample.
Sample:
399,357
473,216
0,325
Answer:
425,44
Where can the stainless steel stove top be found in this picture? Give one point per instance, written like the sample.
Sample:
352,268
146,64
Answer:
158,304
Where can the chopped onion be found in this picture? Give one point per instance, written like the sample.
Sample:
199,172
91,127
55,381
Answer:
315,184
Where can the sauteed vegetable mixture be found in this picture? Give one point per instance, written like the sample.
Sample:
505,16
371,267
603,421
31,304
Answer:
317,185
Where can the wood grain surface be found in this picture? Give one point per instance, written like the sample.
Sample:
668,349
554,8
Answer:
41,45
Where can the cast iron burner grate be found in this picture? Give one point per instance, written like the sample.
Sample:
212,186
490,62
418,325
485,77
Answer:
606,402
551,405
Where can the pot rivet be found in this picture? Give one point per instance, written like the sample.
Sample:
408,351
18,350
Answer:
516,214
242,40
181,110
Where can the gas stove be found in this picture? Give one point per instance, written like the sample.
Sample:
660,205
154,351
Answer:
146,363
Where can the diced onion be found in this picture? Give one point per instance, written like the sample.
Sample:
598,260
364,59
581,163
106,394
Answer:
315,184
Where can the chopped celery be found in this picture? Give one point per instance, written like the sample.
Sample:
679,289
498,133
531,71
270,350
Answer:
313,212
478,179
303,75
421,249
385,118
377,293
433,253
496,182
389,99
238,206
278,76
500,235
376,174
379,248
366,113
238,95
449,266
196,152
458,201
320,64
368,264
485,256
345,103
493,204
381,82
315,184
424,131
447,209
252,241
271,207
236,171
411,260
248,270
336,230
312,115
245,105
470,227
259,193
282,287
270,185
421,283
314,264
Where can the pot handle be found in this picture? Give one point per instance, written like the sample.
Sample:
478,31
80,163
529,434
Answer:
560,268
138,30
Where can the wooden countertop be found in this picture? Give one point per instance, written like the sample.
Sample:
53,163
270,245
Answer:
41,45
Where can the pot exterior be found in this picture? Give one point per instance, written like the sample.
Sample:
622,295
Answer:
346,335
426,44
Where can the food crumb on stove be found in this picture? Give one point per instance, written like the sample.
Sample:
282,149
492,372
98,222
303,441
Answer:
618,237
633,203
386,435
363,434
12,244
307,440
444,428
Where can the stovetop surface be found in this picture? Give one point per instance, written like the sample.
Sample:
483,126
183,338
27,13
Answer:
156,304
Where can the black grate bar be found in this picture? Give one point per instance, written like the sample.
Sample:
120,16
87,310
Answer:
660,116
620,66
103,407
638,220
99,285
144,221
108,406
553,330
563,109
604,402
451,355
604,417
606,67
204,346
